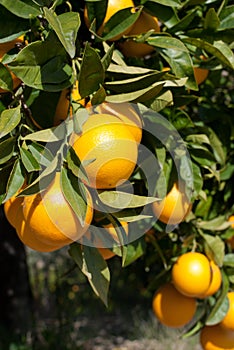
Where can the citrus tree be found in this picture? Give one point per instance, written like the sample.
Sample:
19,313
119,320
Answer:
116,139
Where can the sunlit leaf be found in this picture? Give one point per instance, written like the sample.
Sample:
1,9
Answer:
9,119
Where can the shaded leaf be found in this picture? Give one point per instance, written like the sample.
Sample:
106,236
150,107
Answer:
94,267
24,9
91,73
6,149
15,181
29,162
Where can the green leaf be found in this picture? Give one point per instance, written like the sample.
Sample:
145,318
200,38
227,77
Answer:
161,101
120,200
43,65
221,306
9,119
228,260
96,10
214,248
211,20
6,81
11,26
15,181
4,176
23,9
48,135
183,24
170,3
41,154
133,251
6,149
217,224
219,49
71,187
135,83
166,14
119,23
66,27
42,181
227,18
94,267
29,162
177,55
91,73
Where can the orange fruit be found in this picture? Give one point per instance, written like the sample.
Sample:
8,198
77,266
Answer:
105,252
200,74
109,147
126,113
4,48
216,338
47,222
113,6
216,280
173,208
228,320
62,107
191,274
11,207
172,308
76,94
143,24
231,239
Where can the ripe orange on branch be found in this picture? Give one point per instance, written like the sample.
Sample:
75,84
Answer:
173,208
191,274
228,320
216,280
172,308
126,113
108,149
216,338
143,24
45,221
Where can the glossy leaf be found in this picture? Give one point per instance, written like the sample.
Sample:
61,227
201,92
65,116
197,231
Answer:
15,181
29,162
6,82
119,200
66,27
9,119
219,49
227,18
91,73
177,56
43,65
119,23
72,190
24,9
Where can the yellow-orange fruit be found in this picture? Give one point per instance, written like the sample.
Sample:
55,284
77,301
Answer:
228,320
172,308
173,208
108,149
126,113
216,280
143,24
216,338
47,222
191,274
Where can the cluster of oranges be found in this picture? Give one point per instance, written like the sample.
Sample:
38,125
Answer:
145,23
108,150
193,278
